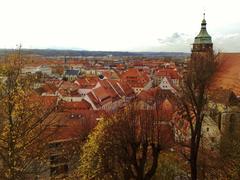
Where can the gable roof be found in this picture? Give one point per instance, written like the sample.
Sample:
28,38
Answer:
101,93
93,99
128,91
116,87
169,82
87,82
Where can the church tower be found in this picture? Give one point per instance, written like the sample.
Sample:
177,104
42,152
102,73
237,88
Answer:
202,57
203,41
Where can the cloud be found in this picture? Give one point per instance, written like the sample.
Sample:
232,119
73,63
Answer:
227,42
176,42
172,39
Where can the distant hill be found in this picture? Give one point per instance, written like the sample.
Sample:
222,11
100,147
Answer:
84,53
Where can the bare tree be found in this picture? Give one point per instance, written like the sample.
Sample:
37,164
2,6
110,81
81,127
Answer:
193,100
126,145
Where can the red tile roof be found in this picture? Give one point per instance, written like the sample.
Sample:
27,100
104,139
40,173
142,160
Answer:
167,72
101,93
47,88
116,87
149,95
69,106
47,102
94,100
69,89
135,78
228,73
120,66
55,82
110,74
69,86
87,82
166,100
109,91
73,125
131,73
128,91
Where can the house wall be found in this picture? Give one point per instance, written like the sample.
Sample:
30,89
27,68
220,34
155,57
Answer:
211,134
175,82
107,106
70,77
148,85
90,101
137,90
70,98
165,84
45,70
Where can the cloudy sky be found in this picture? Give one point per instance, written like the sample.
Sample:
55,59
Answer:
122,25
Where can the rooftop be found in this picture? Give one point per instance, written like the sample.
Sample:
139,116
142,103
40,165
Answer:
228,74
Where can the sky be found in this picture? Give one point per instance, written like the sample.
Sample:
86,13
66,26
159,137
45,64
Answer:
118,25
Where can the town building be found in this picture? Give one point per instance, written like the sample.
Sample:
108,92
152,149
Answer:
44,69
170,73
136,79
71,74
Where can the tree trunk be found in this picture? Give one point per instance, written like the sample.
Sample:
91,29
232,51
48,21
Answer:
155,155
194,168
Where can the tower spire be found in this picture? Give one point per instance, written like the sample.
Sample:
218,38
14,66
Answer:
203,40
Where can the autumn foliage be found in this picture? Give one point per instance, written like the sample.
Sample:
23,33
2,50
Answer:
22,122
